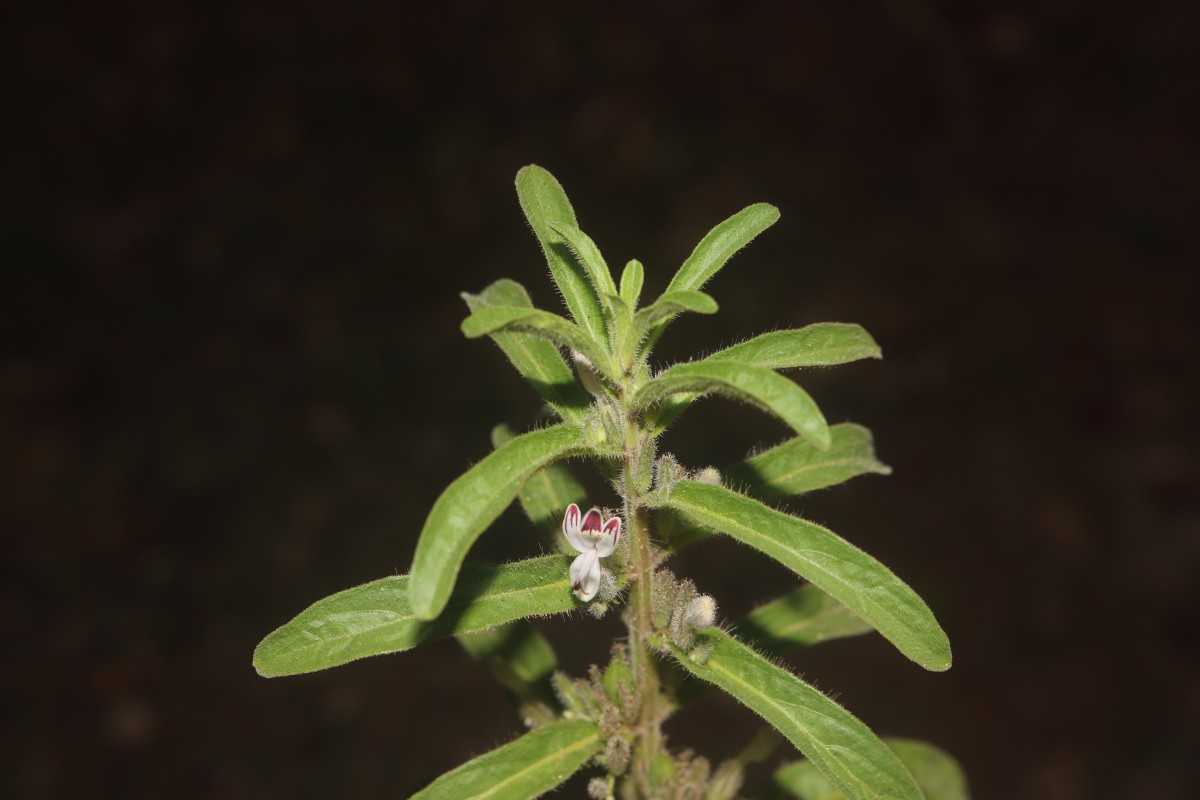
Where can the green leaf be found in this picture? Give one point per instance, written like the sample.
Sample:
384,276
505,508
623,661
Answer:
631,283
544,202
672,303
588,256
523,769
471,503
717,247
546,495
800,618
843,748
937,773
519,659
539,361
541,323
821,345
377,617
862,584
797,466
758,386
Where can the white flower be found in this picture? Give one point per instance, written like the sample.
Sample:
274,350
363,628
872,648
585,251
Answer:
595,538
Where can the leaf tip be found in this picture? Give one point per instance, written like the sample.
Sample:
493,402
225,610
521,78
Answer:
261,661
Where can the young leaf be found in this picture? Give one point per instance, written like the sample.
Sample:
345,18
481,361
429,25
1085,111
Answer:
758,386
842,747
544,202
539,361
797,466
717,247
672,303
377,618
862,584
471,503
541,323
522,769
546,495
588,256
631,283
800,618
821,345
519,659
939,775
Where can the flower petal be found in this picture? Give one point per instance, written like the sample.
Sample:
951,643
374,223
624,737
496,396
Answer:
570,526
610,535
592,521
585,574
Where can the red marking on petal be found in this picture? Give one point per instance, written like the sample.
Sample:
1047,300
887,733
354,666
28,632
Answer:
592,521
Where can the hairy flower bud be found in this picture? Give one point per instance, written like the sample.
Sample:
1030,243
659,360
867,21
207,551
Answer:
701,612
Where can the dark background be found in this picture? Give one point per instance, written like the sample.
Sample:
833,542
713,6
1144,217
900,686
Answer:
233,238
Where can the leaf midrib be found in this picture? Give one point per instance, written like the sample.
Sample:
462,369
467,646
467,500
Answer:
817,745
537,588
557,755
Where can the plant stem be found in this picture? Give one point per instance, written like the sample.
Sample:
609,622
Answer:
639,620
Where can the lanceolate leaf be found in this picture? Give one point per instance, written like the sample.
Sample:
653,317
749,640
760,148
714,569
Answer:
588,256
544,201
377,618
673,303
939,776
717,247
800,618
546,495
538,360
797,466
821,345
756,385
631,283
471,503
523,769
542,323
519,659
842,747
862,584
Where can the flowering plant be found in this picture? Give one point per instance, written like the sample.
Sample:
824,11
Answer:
612,407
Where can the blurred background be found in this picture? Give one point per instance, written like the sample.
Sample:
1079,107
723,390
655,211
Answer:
233,239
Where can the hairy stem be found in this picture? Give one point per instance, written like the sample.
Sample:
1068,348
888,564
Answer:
639,620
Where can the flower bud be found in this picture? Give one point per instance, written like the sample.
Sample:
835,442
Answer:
701,612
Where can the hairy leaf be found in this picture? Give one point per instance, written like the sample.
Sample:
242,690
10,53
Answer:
546,495
803,617
377,618
842,748
471,503
523,769
937,773
588,256
862,584
538,360
631,283
672,303
758,386
719,245
797,466
821,345
716,248
541,323
544,202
